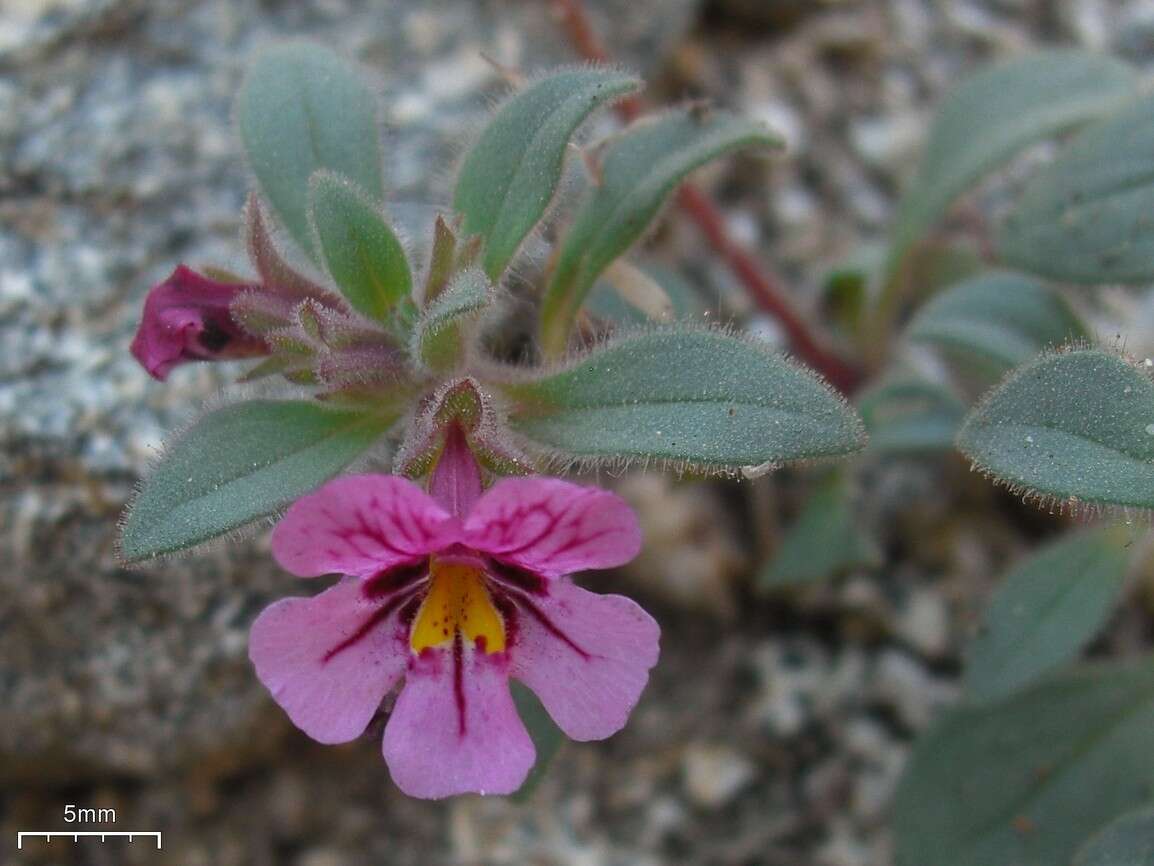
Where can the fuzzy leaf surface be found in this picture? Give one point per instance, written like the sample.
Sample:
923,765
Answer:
510,175
995,114
638,170
824,541
238,464
303,108
360,250
1072,426
1045,611
996,320
1026,780
701,397
438,332
1085,218
1125,841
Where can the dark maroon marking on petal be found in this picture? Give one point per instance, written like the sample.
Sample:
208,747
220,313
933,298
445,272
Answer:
409,612
518,515
508,610
214,337
459,684
526,603
386,582
521,578
375,619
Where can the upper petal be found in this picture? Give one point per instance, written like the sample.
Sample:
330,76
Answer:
553,527
455,729
587,656
358,525
329,660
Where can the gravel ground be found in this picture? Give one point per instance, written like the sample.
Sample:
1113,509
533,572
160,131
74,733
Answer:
774,729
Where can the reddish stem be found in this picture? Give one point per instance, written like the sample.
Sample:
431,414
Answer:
763,287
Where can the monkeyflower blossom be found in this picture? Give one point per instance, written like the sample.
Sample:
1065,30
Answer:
186,318
455,591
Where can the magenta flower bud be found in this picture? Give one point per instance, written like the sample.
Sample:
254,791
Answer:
186,318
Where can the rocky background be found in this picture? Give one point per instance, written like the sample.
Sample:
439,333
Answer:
770,736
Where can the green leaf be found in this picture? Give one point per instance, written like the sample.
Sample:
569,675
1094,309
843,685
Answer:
302,108
905,414
547,737
997,320
1046,610
824,541
510,175
1077,426
240,463
1086,217
438,334
638,170
606,301
996,113
1026,780
1125,841
732,403
360,250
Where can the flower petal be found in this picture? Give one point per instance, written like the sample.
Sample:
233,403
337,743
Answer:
587,656
329,660
455,729
552,527
186,318
359,525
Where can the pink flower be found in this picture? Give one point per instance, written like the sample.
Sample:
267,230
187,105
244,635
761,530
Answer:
186,318
455,593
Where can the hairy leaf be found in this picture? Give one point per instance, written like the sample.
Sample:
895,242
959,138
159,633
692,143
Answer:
240,463
1086,218
1045,612
438,332
997,112
302,108
1125,841
701,397
1077,426
360,250
824,541
1028,779
997,320
638,170
511,173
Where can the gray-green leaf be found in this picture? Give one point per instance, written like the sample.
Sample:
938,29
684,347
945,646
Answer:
996,320
360,250
438,333
1086,217
639,169
1026,780
906,414
997,112
1125,841
1077,426
1045,612
238,464
699,397
824,541
510,175
302,108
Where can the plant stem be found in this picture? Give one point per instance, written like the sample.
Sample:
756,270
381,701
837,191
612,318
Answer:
763,287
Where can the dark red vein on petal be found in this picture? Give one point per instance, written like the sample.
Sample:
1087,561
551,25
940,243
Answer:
375,619
459,683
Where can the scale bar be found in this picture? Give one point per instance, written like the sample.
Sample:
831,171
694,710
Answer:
76,834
